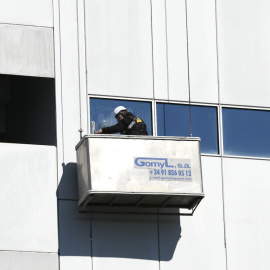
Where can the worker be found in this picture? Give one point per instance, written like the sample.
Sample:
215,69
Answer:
128,124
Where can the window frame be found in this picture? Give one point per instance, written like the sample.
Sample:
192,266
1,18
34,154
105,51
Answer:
240,107
151,101
195,104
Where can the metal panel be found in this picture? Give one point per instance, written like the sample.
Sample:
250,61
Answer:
27,12
83,168
119,48
70,98
74,237
139,170
202,50
160,49
84,100
177,50
58,89
202,236
244,52
125,242
28,261
28,198
26,50
247,208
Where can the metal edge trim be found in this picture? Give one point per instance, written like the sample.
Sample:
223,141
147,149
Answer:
140,137
90,192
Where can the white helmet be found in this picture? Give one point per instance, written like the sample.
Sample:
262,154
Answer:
118,109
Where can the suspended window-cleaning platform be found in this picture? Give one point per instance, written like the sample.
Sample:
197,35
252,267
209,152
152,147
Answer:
139,171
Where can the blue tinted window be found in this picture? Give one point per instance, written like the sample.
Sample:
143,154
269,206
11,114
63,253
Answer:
174,120
101,111
246,132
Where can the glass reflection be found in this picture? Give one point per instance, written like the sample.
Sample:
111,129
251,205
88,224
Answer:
174,120
246,132
101,111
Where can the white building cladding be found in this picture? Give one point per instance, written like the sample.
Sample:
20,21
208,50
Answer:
165,53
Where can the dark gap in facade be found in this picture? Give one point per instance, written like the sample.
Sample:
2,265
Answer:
27,110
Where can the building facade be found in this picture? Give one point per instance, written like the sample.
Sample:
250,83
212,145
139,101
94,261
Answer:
188,68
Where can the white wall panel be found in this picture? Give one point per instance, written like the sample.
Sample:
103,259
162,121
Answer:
201,245
177,50
74,237
27,12
70,97
119,48
125,242
244,51
28,204
159,49
82,68
202,50
26,50
28,261
58,90
247,208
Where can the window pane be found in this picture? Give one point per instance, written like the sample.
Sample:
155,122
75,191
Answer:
101,111
174,120
246,132
204,125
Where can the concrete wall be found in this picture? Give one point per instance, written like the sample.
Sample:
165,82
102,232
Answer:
28,177
26,32
29,235
208,52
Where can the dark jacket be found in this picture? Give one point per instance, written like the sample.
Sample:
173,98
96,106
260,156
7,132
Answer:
124,126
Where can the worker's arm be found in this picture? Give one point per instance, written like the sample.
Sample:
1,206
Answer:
119,127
